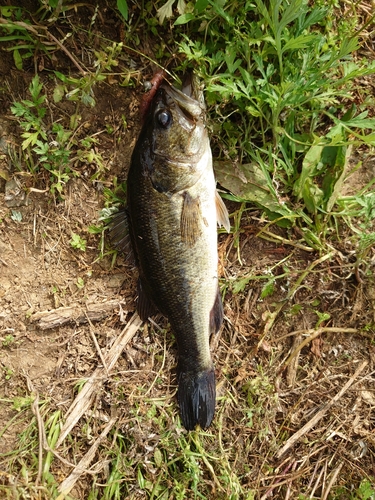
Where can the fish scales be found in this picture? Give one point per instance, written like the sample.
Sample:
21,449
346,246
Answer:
180,280
172,205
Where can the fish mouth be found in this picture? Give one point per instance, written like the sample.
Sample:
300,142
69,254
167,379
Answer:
190,86
189,99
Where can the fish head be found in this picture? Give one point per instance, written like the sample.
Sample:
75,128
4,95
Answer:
177,121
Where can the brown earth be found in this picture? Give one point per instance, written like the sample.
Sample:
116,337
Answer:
41,272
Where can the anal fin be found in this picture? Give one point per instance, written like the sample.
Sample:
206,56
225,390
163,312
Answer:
222,213
216,314
145,306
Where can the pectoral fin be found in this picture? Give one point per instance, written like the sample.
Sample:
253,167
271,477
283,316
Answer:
190,220
222,212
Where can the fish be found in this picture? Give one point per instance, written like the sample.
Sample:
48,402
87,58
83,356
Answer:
173,209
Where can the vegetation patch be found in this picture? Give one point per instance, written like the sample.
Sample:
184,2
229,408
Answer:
88,393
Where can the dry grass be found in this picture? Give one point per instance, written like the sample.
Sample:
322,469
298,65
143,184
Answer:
88,407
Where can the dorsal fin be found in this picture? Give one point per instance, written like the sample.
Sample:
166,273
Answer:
119,233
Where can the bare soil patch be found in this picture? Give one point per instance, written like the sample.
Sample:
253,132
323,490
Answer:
277,354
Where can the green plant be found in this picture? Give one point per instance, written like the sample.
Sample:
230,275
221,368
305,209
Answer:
82,89
8,372
78,243
28,41
122,6
48,150
16,216
8,340
80,283
48,147
282,85
365,491
32,113
29,461
114,199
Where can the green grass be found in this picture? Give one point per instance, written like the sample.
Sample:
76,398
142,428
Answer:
282,80
286,109
29,464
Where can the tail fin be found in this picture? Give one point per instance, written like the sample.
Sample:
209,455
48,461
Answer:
196,397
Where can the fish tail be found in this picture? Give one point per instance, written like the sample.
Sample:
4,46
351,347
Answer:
196,396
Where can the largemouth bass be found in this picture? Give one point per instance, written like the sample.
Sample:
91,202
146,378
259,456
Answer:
173,209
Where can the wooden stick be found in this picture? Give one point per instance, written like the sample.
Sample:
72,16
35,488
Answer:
74,313
332,481
84,399
97,346
320,414
68,483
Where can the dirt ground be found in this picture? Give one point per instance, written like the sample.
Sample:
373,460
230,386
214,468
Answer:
59,305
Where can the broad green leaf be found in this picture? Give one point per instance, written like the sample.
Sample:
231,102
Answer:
343,158
312,196
17,59
309,169
268,288
183,19
201,5
30,138
122,6
248,183
6,11
358,122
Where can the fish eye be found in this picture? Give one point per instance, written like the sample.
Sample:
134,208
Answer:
164,118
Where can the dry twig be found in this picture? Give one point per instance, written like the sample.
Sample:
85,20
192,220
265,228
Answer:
97,346
47,320
320,414
84,399
332,481
68,483
313,334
